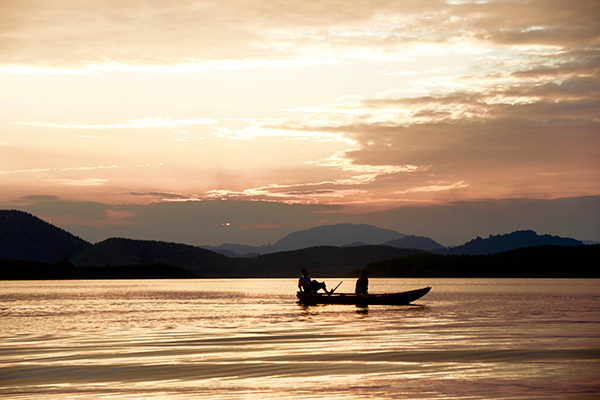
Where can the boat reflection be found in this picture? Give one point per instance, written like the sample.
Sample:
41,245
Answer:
362,310
310,310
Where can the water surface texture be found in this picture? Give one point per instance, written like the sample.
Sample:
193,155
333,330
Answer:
249,339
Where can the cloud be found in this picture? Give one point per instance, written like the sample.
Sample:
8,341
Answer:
41,197
87,213
403,101
530,130
159,195
58,170
47,33
79,182
156,122
435,188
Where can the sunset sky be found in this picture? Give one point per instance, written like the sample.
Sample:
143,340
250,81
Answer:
240,121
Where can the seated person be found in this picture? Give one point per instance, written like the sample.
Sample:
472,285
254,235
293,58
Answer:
306,284
362,284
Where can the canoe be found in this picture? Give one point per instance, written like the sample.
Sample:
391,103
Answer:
364,300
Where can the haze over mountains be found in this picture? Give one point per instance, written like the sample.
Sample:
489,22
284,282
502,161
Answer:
342,235
332,250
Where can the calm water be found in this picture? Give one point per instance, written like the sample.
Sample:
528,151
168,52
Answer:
248,339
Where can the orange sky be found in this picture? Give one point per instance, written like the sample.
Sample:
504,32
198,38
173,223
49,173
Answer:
364,105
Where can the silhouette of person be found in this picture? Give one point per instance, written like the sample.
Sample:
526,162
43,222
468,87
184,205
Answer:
362,284
308,285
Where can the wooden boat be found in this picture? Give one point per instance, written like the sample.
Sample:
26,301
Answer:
401,298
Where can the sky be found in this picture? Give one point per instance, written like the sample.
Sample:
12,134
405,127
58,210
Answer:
208,122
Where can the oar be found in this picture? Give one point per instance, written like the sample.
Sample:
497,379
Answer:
333,290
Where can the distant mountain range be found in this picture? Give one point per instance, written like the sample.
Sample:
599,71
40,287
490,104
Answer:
332,250
341,235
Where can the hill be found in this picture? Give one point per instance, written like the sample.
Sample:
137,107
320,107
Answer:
118,251
415,242
26,237
500,243
321,261
542,261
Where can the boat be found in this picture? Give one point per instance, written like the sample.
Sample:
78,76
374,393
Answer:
401,298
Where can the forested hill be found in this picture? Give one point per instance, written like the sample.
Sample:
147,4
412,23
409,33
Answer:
328,261
541,262
26,237
322,261
514,240
119,251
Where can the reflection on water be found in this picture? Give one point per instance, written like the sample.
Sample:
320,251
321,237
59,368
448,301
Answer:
362,310
231,339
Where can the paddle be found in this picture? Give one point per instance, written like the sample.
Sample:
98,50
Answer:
333,290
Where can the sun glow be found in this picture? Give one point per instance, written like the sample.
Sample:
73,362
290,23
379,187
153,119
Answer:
303,103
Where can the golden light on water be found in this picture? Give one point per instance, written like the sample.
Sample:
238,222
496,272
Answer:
232,338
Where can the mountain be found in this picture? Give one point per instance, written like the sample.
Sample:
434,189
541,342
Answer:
26,237
415,242
118,251
510,241
352,235
341,235
335,235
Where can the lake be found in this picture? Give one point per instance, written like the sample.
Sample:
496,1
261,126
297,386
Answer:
249,339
